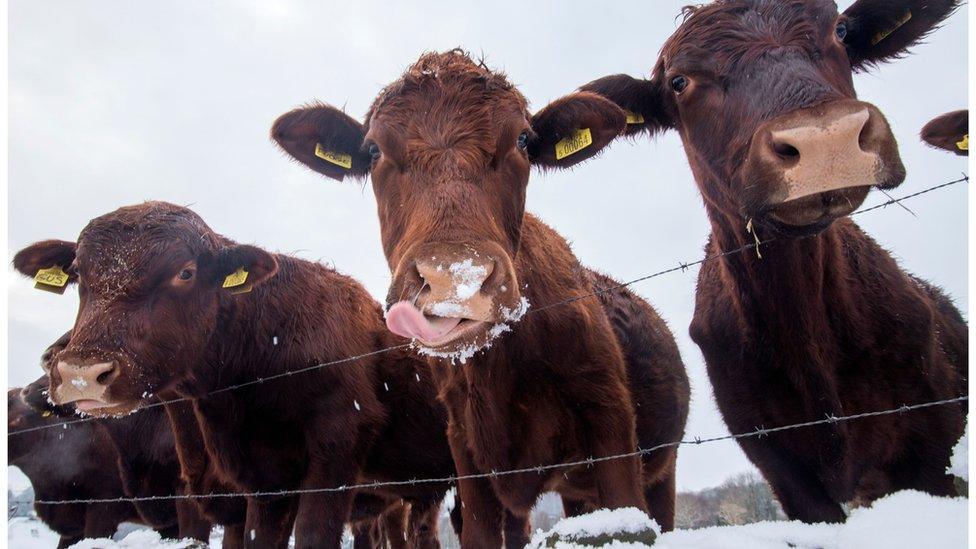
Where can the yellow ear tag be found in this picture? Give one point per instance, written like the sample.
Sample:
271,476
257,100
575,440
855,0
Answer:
46,413
634,118
964,144
51,280
574,143
884,34
339,159
236,280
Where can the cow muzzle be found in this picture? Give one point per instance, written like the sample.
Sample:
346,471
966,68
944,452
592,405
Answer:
818,163
453,297
85,384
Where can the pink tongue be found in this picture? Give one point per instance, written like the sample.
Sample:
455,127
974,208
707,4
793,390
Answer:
405,320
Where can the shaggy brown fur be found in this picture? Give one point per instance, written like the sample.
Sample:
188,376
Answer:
150,281
443,148
825,323
67,464
949,131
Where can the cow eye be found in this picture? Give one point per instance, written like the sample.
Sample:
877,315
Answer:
679,83
841,31
185,274
523,141
374,152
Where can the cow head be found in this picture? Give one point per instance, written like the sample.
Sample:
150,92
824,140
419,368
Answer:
949,132
151,279
761,92
448,148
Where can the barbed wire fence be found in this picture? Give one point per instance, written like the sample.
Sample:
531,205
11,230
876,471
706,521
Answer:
681,266
588,462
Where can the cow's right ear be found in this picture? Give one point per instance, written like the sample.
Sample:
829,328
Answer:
323,138
44,256
949,131
641,99
240,267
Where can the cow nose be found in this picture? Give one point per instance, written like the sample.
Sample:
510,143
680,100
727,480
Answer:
834,146
456,289
81,381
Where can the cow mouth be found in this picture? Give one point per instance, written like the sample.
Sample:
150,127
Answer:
433,331
817,211
99,408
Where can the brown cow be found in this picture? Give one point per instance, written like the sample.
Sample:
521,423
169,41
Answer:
67,464
449,148
168,305
147,462
824,322
949,132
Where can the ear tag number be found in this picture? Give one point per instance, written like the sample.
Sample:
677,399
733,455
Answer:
634,118
964,144
236,282
52,280
574,143
884,34
339,159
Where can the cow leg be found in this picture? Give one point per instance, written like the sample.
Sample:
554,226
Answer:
101,520
391,528
516,530
802,496
68,541
573,507
481,512
192,523
269,522
660,497
322,516
170,532
422,525
233,537
362,535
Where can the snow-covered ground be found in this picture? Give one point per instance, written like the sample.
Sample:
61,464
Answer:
907,519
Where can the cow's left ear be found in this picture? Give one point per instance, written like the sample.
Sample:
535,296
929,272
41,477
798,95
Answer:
323,138
949,131
574,128
239,268
882,30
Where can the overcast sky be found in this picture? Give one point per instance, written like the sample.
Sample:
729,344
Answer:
113,103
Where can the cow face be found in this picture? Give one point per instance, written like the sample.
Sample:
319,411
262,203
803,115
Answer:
151,279
761,93
448,148
949,132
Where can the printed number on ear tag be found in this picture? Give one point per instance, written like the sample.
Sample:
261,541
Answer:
634,118
235,282
574,143
964,144
339,159
51,280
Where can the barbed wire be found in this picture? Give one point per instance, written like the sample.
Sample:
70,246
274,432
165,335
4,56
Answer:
697,441
679,267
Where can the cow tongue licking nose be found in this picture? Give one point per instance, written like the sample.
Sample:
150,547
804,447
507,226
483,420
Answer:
406,320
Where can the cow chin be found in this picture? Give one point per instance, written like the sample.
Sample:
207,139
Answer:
811,215
97,408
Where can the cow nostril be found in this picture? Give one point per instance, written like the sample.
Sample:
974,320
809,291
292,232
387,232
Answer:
105,377
785,150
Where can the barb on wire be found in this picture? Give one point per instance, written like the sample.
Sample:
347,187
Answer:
680,267
535,469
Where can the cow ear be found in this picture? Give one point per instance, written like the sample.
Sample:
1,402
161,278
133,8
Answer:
640,99
239,268
949,131
574,128
882,30
50,260
323,138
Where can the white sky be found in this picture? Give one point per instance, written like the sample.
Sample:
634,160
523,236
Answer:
112,103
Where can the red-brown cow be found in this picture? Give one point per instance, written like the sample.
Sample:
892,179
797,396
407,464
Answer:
168,305
949,132
824,322
67,464
449,147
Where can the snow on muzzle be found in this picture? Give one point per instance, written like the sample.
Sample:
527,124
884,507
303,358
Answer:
450,298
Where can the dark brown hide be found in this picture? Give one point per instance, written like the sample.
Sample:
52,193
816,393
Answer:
825,322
